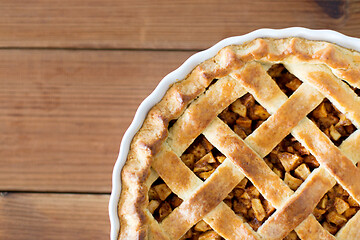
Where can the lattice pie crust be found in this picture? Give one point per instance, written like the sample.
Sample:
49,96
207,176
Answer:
259,142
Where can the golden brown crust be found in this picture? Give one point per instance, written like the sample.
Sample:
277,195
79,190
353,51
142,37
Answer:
329,156
321,66
193,184
236,230
203,200
312,230
202,112
274,129
252,165
298,207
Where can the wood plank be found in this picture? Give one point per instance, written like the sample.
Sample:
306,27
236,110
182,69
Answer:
54,216
63,113
161,24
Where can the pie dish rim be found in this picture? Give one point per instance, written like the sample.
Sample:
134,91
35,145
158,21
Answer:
182,71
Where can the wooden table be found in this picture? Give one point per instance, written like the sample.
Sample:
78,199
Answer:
72,74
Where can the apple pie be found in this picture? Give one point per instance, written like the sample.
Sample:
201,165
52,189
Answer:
261,141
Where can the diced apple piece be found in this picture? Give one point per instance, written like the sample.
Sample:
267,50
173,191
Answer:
253,192
318,213
204,164
330,228
220,159
164,210
239,108
335,218
163,191
340,205
258,208
206,175
302,171
289,161
293,84
202,226
350,212
268,207
323,204
335,135
292,182
244,123
153,205
320,111
188,159
260,112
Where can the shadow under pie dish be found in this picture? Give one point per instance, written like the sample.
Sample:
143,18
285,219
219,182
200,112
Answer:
260,141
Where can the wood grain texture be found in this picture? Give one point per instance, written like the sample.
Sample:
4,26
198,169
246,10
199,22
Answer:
161,24
63,114
54,217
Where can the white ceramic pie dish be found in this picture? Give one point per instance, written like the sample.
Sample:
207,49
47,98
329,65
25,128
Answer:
181,72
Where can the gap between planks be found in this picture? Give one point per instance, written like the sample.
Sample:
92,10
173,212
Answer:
33,216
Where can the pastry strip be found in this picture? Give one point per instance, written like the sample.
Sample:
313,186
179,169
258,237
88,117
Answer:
351,143
202,201
298,207
341,167
338,92
201,112
279,125
311,229
184,183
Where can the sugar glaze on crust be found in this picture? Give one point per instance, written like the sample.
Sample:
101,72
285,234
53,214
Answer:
240,69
